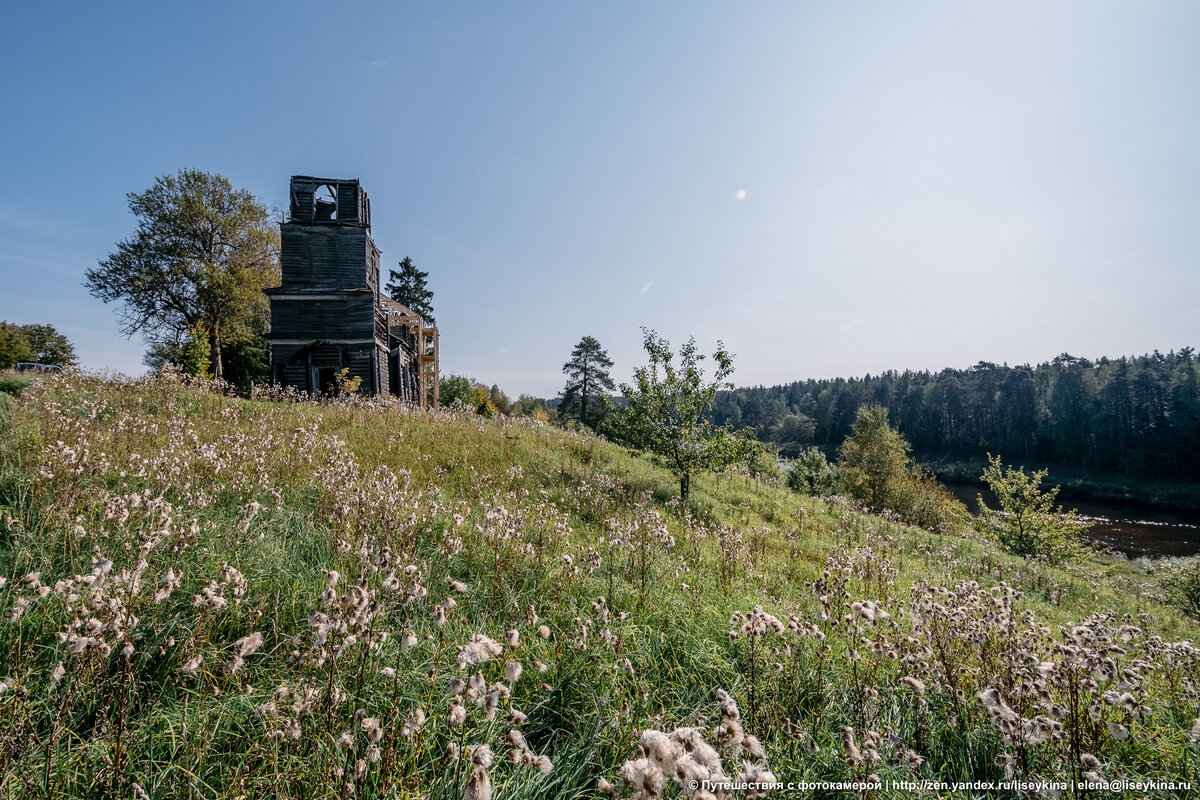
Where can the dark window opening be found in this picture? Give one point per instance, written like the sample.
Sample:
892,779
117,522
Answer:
325,380
325,203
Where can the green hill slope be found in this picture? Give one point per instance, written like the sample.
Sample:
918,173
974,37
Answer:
213,597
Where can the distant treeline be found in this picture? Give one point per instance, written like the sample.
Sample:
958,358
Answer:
1136,416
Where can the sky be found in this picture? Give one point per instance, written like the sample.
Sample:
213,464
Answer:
828,188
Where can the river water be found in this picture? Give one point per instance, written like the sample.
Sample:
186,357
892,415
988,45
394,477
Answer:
1129,529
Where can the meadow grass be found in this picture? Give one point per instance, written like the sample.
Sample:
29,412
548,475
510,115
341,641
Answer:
207,596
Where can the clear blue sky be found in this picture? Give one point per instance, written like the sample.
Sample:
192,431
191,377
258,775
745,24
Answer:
832,188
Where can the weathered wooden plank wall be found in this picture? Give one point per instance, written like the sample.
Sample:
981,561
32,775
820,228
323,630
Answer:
327,257
351,317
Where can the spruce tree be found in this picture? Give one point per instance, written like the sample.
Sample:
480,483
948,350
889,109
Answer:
408,287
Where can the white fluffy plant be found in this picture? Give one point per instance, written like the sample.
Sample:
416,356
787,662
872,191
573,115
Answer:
685,757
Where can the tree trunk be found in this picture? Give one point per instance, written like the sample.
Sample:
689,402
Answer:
685,481
214,341
583,401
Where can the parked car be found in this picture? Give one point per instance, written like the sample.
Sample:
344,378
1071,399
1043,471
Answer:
33,366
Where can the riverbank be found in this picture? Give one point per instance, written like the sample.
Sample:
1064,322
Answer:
1078,484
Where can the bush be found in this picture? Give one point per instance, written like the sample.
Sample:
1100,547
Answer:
1180,581
876,471
928,504
811,474
14,384
456,387
1028,523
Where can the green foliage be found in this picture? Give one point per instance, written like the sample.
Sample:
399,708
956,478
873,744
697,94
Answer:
14,346
761,462
247,362
585,395
470,393
668,407
930,505
810,473
199,260
1129,416
875,470
1027,523
456,387
790,432
1180,581
14,384
408,287
49,346
874,461
482,402
194,355
121,668
499,399
530,406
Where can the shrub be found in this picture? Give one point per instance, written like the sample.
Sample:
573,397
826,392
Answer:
1180,581
14,384
1028,523
876,471
811,474
930,505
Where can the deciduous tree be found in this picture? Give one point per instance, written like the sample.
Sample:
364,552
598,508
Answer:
668,406
49,346
200,258
874,461
1028,521
14,346
875,469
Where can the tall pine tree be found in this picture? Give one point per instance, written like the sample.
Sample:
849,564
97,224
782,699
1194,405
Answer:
407,286
587,377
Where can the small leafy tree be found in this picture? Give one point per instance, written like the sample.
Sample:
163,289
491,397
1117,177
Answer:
499,399
874,461
875,469
194,357
14,346
482,402
456,387
668,407
346,384
49,346
1027,523
529,406
408,286
583,397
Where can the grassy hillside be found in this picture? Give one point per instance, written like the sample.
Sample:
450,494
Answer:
211,597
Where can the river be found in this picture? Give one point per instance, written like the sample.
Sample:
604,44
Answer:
1132,530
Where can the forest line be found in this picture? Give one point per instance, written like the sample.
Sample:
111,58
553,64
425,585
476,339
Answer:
1137,417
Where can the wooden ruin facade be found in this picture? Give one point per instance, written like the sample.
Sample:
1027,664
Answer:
330,314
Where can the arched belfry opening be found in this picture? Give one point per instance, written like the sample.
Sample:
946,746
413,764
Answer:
325,203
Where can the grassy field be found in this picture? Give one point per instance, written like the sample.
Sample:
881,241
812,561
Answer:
210,597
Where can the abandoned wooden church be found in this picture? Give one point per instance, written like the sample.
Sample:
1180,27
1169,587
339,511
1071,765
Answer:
330,313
